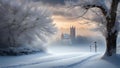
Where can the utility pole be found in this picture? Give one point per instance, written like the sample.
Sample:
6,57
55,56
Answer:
95,46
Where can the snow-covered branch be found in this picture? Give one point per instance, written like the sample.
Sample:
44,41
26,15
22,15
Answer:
22,24
98,6
87,4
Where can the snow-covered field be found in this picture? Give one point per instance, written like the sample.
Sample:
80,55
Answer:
60,58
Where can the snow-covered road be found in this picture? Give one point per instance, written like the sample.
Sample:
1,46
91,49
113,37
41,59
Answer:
47,61
61,57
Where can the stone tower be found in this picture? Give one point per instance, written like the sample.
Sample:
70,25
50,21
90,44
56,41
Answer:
72,33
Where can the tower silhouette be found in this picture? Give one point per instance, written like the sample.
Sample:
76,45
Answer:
72,33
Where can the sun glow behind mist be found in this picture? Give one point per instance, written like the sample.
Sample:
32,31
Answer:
82,27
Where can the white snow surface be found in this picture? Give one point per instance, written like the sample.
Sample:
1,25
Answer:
60,59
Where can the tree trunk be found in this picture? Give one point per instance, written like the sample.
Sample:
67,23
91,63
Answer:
111,44
112,32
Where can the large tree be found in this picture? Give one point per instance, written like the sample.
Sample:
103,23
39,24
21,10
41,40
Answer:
109,10
22,24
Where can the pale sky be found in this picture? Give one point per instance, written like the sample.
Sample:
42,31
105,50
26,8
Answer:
63,18
63,24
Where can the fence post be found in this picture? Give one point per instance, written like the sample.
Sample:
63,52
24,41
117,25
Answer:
95,46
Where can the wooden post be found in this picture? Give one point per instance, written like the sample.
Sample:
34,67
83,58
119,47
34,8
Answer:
90,48
95,46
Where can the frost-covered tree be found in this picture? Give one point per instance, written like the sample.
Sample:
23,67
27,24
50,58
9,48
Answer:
22,24
109,13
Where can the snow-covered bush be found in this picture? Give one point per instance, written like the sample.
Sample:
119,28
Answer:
23,27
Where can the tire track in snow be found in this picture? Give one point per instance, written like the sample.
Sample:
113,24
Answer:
66,63
39,62
77,63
